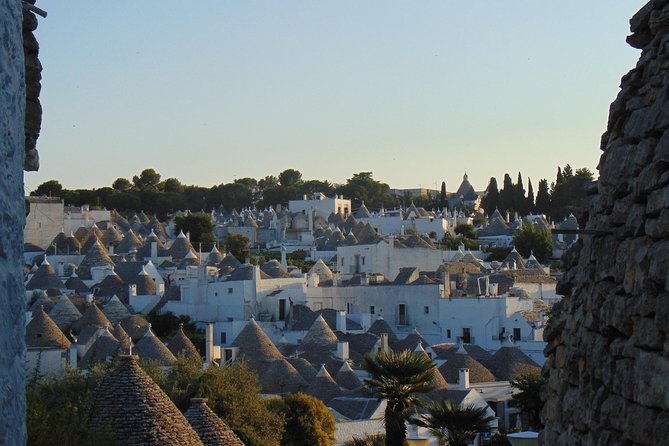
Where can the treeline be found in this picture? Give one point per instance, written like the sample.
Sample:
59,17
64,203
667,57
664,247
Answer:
563,197
149,193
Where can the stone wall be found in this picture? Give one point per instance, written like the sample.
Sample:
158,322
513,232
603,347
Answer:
12,217
33,76
608,344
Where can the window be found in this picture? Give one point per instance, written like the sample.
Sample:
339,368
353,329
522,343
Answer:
228,355
282,309
448,333
372,309
224,338
229,290
216,293
516,334
349,308
466,335
426,309
363,260
402,314
342,261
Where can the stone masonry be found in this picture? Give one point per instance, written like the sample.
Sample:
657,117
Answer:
608,343
12,218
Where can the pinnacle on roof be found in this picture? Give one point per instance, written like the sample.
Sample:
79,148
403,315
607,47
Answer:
96,256
42,332
104,347
210,428
121,335
181,234
137,411
44,278
461,359
115,310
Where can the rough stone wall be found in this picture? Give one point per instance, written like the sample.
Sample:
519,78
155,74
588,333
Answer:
12,218
33,76
608,343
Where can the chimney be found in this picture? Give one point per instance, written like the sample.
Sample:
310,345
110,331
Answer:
209,342
341,321
342,350
364,279
284,262
384,342
61,269
463,379
154,250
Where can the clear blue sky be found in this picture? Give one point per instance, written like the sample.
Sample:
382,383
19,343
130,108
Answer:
414,91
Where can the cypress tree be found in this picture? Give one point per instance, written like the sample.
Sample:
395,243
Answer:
491,201
543,202
530,197
519,204
506,194
442,194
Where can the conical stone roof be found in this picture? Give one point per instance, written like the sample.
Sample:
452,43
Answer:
77,285
42,332
64,313
44,278
281,377
103,349
380,326
274,270
129,243
510,362
180,345
320,334
135,326
92,317
323,271
123,338
229,261
323,386
478,373
181,247
137,412
96,256
111,236
305,369
144,284
145,250
210,428
44,301
254,344
150,348
115,310
347,378
215,257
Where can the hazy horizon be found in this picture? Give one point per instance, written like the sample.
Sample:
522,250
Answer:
417,93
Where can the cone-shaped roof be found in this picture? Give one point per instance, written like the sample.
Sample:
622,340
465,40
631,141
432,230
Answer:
304,367
514,258
42,331
145,250
104,348
181,345
323,271
145,284
44,301
150,348
110,285
347,378
44,278
254,345
76,284
92,317
320,334
380,326
230,261
157,227
122,337
136,411
478,373
135,326
181,247
111,236
96,256
323,386
274,270
362,211
215,257
129,243
64,313
510,362
281,377
115,310
212,430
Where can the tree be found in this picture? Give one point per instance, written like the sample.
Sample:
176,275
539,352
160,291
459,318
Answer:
543,203
149,179
238,245
368,440
506,194
491,200
454,424
398,377
528,400
51,188
122,184
519,200
443,199
307,421
529,206
362,187
234,395
569,193
290,177
172,185
199,226
533,240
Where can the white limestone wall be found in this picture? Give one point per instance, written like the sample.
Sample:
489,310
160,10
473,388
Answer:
12,154
392,225
44,221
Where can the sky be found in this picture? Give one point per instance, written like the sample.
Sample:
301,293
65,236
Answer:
417,92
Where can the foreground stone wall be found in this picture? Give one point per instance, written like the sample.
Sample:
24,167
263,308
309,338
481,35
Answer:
12,218
608,344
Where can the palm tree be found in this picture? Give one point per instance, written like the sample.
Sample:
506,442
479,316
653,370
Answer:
454,424
398,378
368,440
